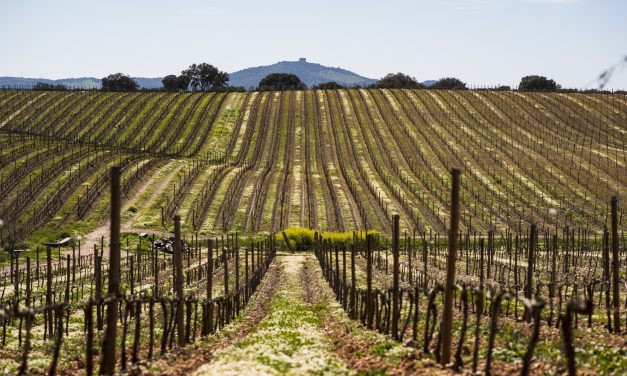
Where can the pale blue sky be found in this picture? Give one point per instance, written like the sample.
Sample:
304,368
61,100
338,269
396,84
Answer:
483,42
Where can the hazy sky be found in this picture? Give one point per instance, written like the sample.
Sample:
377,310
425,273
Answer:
483,42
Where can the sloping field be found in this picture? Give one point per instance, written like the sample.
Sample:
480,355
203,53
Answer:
333,160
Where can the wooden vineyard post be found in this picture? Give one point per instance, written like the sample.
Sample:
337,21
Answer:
29,286
425,260
530,259
89,346
336,275
369,300
107,366
344,291
329,262
98,293
606,276
447,313
615,281
246,275
49,288
287,242
155,262
67,279
395,276
237,296
209,317
252,258
353,310
225,260
178,281
37,267
481,263
409,249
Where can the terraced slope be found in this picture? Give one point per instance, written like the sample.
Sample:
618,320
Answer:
333,160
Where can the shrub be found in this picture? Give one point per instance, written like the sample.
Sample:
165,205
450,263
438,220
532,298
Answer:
119,82
300,238
281,81
398,81
303,238
537,83
450,83
340,239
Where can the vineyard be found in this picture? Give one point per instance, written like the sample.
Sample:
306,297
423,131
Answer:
314,232
330,160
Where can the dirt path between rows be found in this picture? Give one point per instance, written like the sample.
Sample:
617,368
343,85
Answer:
289,340
359,348
306,331
187,360
94,237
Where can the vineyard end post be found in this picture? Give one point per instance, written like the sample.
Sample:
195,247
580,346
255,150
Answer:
178,264
396,272
447,314
108,346
615,265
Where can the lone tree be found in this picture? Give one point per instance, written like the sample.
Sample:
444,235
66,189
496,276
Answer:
119,82
281,81
537,83
204,77
331,85
398,81
449,83
175,83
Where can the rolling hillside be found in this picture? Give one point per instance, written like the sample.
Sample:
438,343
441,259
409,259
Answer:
336,160
310,73
81,83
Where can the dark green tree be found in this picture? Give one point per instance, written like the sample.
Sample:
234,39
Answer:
281,81
119,82
398,81
451,83
537,83
204,77
191,74
170,83
220,80
183,82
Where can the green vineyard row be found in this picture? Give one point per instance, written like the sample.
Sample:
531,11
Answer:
323,159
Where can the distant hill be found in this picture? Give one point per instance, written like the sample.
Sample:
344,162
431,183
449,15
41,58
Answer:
82,82
23,82
149,83
310,73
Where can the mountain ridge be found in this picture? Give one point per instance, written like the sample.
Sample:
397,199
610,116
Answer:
310,73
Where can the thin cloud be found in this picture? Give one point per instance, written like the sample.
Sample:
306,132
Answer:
553,2
209,10
484,4
473,4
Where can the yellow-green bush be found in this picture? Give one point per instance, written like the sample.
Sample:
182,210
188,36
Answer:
303,238
300,238
339,238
